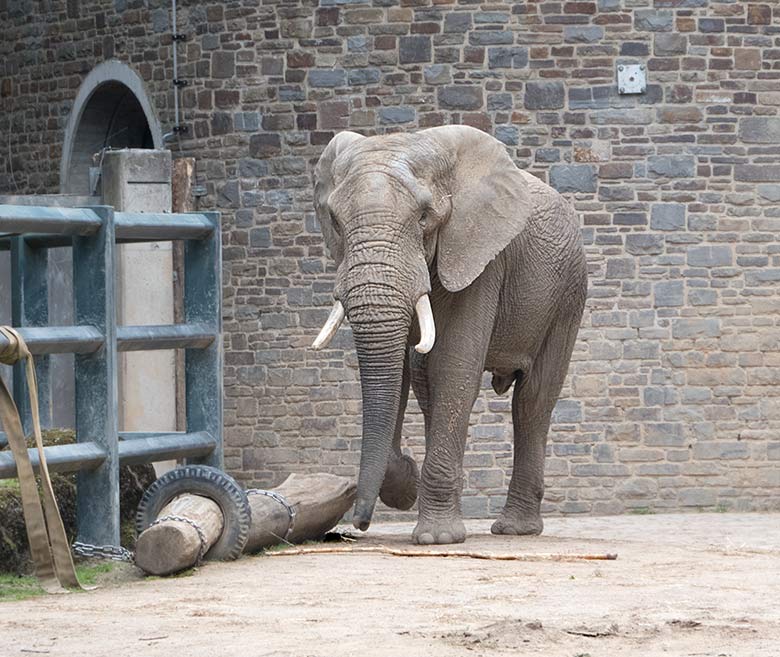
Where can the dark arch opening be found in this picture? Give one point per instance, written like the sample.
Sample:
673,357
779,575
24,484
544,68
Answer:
112,118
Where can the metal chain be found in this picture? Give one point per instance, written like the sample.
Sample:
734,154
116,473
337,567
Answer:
191,523
281,499
113,552
119,553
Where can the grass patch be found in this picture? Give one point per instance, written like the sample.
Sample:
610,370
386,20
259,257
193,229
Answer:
15,587
642,511
89,575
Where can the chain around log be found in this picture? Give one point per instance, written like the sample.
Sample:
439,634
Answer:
201,536
283,501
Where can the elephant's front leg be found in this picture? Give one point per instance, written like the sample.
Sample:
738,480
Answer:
399,488
454,373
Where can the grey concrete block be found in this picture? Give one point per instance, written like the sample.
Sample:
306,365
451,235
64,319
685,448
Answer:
583,33
652,20
644,243
414,49
667,216
573,177
327,78
500,101
437,74
671,166
730,450
757,172
223,64
769,192
460,97
361,76
487,38
698,497
515,57
509,134
670,44
696,328
457,22
620,268
544,95
396,115
669,294
710,256
760,129
567,410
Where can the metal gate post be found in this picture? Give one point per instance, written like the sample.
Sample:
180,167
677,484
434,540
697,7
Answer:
30,307
97,502
203,367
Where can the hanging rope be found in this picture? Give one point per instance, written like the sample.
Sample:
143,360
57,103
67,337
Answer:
45,532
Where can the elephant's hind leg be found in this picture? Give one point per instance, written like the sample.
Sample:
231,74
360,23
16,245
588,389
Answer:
399,488
533,401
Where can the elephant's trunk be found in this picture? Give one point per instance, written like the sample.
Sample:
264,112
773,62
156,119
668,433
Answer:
380,320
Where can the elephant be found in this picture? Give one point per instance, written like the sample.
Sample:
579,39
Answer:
440,224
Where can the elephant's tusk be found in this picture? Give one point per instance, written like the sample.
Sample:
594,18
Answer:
427,325
331,326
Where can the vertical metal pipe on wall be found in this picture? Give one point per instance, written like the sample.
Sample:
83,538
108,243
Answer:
174,46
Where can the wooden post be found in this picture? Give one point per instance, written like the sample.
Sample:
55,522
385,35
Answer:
182,182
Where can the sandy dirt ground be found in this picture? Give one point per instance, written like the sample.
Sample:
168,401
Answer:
704,584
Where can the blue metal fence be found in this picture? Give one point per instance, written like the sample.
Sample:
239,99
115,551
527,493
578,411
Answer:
95,339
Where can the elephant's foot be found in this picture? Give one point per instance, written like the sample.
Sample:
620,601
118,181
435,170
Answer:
440,531
518,524
399,488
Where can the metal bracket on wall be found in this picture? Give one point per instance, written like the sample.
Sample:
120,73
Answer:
632,78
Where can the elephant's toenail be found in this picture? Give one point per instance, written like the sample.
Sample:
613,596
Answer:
425,539
445,537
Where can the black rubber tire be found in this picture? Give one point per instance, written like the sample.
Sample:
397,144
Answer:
209,482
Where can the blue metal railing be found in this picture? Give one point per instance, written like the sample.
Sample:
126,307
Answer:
95,339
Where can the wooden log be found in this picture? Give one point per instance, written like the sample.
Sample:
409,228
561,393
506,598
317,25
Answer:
319,501
174,545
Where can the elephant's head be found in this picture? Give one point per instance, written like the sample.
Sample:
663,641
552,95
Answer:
392,209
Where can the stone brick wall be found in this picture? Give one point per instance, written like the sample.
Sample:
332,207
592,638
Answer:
672,399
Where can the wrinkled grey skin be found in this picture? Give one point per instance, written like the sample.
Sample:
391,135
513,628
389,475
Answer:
445,211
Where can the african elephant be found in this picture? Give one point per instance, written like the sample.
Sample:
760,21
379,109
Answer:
441,224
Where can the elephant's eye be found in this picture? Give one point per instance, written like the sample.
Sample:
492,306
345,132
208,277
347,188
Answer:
335,224
424,219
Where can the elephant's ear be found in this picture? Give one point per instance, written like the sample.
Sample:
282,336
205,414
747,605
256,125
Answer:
491,204
324,184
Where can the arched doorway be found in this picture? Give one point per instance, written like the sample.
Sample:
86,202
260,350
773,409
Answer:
111,110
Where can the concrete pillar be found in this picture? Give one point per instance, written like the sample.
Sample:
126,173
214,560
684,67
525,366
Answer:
139,180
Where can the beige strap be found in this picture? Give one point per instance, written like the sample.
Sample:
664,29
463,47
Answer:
48,542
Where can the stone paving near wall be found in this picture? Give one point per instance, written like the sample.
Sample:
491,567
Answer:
672,399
